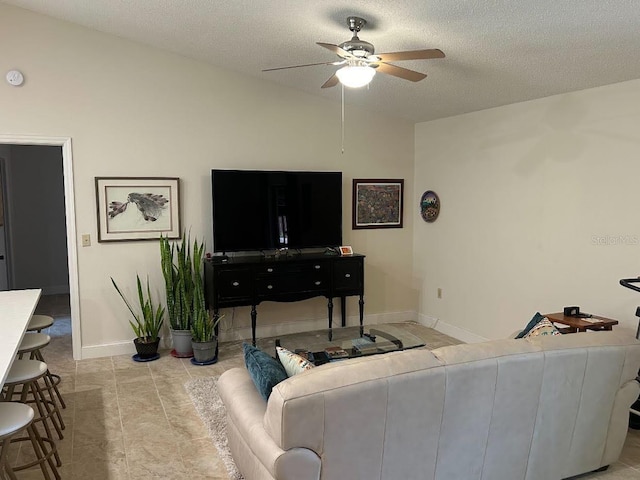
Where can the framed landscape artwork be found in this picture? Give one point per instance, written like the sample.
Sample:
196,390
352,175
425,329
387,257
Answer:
377,203
137,208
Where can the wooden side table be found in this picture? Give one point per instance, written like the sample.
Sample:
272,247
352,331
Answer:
579,324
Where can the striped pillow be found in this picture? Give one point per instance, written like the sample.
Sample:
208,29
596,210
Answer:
544,327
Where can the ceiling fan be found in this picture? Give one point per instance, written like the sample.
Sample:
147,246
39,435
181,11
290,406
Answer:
360,63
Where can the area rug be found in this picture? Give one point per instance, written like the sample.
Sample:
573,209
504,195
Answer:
205,398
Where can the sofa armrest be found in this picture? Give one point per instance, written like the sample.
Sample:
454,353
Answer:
246,409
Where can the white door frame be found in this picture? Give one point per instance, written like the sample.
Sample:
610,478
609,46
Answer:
70,212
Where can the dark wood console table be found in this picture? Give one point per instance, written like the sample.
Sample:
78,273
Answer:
250,280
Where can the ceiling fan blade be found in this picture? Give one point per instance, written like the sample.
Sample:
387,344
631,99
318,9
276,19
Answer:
336,49
400,72
411,55
332,82
298,66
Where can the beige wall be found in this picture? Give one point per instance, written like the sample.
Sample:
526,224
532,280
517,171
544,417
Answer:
132,110
539,211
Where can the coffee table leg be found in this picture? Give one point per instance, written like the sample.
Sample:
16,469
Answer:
330,312
361,303
254,314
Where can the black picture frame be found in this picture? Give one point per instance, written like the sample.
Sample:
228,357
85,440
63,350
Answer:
377,203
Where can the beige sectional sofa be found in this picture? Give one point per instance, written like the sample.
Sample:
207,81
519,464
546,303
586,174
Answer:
544,408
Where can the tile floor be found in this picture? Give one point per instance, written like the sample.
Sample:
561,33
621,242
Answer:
134,421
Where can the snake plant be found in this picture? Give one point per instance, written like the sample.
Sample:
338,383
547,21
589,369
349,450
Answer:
179,282
203,326
182,271
147,324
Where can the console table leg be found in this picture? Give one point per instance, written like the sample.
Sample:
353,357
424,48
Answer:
254,314
330,312
361,303
343,310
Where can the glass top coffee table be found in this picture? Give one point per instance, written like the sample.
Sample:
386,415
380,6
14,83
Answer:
347,343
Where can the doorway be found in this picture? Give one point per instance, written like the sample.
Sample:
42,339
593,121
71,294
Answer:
4,273
63,144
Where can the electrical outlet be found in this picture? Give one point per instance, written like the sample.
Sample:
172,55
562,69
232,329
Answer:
86,240
439,292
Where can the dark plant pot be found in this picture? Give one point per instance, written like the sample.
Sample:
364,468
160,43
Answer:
145,347
182,343
204,352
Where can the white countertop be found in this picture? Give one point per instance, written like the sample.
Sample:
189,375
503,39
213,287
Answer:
16,308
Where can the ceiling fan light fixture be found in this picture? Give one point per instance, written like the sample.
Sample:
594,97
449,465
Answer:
355,76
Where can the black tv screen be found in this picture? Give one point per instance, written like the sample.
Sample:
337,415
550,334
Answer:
268,210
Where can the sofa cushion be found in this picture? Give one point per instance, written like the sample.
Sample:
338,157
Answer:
292,362
537,318
265,371
543,327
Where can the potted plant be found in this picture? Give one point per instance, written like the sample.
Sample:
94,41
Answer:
145,325
203,335
179,286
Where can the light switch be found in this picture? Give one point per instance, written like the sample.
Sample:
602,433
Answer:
86,240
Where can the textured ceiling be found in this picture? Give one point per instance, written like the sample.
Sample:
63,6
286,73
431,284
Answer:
498,51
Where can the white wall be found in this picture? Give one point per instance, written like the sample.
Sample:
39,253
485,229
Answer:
132,110
539,211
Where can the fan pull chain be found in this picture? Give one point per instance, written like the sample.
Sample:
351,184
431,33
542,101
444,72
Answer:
342,119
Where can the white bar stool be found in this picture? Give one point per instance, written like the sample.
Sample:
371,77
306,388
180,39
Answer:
32,343
23,380
15,418
39,323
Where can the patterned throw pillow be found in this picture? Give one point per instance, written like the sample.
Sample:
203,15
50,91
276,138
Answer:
537,318
544,327
292,362
265,371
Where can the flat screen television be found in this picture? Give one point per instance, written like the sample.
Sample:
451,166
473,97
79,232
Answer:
269,210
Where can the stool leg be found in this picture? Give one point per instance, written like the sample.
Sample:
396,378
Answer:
43,455
58,423
43,416
41,452
5,470
50,379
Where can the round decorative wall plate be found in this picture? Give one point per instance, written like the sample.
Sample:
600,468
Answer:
429,206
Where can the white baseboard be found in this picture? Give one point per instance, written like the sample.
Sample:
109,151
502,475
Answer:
427,320
276,329
453,331
108,350
244,333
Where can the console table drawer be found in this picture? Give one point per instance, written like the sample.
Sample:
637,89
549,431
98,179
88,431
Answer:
294,268
282,285
233,283
347,275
